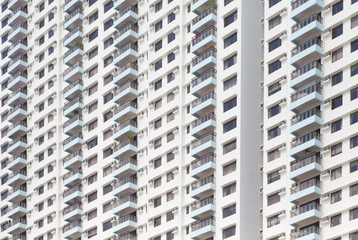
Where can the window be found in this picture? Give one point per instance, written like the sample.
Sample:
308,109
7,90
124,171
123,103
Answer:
229,232
274,154
354,118
171,37
171,17
92,143
158,6
158,65
171,57
336,126
92,179
41,190
107,98
170,77
353,166
92,197
42,6
337,78
229,168
230,19
354,45
273,177
157,202
42,40
274,88
336,173
50,50
273,111
158,104
229,189
91,2
272,199
108,152
93,107
108,42
93,53
93,35
158,26
108,24
107,225
157,163
158,45
354,1
157,221
170,235
354,94
106,62
272,133
353,214
228,211
275,21
42,23
354,70
230,104
93,71
229,125
337,31
157,124
230,40
226,2
353,236
170,137
336,220
92,125
170,216
91,233
273,2
337,102
170,117
274,66
230,61
108,6
92,89
107,189
274,44
354,142
336,8
354,22
92,214
170,97
93,17
336,149
229,147
170,156
336,196
230,83
273,221
170,196
51,16
338,54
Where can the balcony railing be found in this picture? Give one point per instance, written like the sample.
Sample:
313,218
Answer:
16,26
17,42
305,231
133,65
71,208
73,32
303,23
17,220
203,15
72,190
125,180
125,143
126,161
16,140
206,75
305,161
19,155
133,8
305,115
17,188
203,119
202,57
306,184
199,204
125,218
211,157
19,57
210,95
206,33
76,11
22,9
16,205
301,140
17,172
73,137
130,26
76,47
18,123
211,136
305,208
72,155
72,120
130,122
125,86
297,3
18,237
127,236
69,87
202,182
72,102
17,107
16,75
125,105
125,47
304,92
72,173
19,90
71,225
304,69
306,45
70,69
202,223
124,199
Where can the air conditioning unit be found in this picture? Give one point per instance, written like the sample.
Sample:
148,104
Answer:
282,146
282,102
326,196
283,35
282,213
325,220
283,12
326,173
326,125
282,191
282,169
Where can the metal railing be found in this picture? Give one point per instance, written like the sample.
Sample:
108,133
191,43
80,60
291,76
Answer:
210,136
71,208
199,204
72,173
16,205
127,236
125,143
202,182
17,42
72,120
125,180
133,8
73,137
306,68
306,184
16,140
126,161
125,86
206,33
72,190
125,218
72,155
73,49
202,223
17,107
130,26
305,231
307,114
305,208
19,90
22,9
70,69
125,47
74,12
210,95
18,237
124,199
17,172
18,25
18,123
19,155
16,75
72,102
211,157
69,87
297,3
203,15
306,45
73,32
304,92
130,122
305,138
203,119
209,53
207,74
131,103
305,161
305,22
17,58
17,220
77,223
17,188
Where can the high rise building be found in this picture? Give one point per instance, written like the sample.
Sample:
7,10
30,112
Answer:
126,119
310,181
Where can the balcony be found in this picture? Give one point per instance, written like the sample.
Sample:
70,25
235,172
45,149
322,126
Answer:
72,230
74,89
126,166
17,177
17,210
129,33
206,18
74,55
129,235
301,9
203,187
127,14
125,185
17,226
306,52
19,47
202,166
17,97
74,107
125,204
125,223
203,62
73,194
17,161
19,63
17,113
203,145
199,5
73,143
73,73
17,31
201,41
304,30
72,212
306,214
17,80
74,177
306,233
73,160
17,194
13,4
72,4
125,149
305,98
312,72
204,124
128,127
72,38
73,125
17,129
308,120
127,110
201,84
126,53
126,92
126,72
306,191
306,167
203,208
203,229
74,18
204,104
310,141
17,145
21,236
19,14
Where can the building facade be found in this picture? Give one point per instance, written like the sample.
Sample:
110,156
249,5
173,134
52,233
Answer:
130,119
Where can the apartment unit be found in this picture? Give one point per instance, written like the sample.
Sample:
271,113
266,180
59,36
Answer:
310,113
130,119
